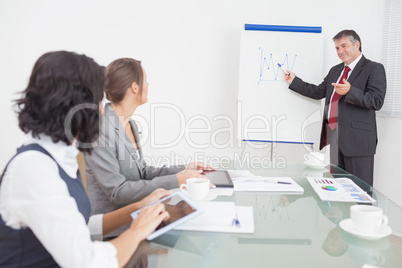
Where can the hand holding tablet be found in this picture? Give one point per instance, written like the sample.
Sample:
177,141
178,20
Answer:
148,220
180,208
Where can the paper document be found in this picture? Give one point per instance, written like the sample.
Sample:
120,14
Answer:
219,217
222,191
340,189
266,184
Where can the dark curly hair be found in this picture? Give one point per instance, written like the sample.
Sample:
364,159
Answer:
62,99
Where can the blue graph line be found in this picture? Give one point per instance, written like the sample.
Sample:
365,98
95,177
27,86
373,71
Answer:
295,142
282,28
271,67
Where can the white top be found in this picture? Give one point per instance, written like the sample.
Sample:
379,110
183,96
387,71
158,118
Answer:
351,66
33,194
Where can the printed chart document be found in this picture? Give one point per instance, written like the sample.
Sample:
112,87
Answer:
221,217
340,189
267,184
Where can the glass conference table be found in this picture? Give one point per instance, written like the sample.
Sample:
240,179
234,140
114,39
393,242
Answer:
291,230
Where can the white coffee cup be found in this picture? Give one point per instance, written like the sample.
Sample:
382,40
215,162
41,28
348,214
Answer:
197,188
315,158
367,219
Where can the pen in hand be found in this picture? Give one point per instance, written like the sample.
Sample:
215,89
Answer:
283,68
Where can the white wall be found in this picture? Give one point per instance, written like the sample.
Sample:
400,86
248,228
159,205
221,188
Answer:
190,50
387,174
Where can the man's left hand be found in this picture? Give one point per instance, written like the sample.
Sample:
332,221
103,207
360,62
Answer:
342,89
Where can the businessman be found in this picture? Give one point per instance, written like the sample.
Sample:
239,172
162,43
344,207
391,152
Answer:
353,91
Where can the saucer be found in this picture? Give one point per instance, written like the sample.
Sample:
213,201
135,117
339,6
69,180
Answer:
382,232
315,165
210,196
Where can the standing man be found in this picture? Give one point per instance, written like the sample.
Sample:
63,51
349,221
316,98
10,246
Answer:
353,91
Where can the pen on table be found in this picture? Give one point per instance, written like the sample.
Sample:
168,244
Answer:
283,68
280,182
236,222
283,182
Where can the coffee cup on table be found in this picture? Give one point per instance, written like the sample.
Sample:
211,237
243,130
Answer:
367,219
315,158
196,188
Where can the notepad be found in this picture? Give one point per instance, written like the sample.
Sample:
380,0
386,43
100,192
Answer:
218,217
267,184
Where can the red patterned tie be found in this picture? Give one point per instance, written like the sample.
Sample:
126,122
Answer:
333,112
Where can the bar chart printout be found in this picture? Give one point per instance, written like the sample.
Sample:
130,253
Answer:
340,189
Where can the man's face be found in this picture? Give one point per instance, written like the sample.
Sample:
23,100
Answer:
346,51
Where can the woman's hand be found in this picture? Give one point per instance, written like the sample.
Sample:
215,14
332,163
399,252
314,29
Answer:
154,196
182,176
146,222
148,219
199,166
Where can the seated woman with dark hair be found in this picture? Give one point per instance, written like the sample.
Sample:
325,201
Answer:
116,172
44,209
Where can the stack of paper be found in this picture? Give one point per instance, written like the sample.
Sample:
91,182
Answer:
266,184
221,217
340,189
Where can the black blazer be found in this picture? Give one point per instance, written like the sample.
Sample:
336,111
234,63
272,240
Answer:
357,129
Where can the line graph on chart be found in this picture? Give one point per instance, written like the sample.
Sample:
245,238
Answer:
269,68
269,207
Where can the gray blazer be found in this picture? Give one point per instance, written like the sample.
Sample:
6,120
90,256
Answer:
115,175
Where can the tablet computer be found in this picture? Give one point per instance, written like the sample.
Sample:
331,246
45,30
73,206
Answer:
220,178
181,208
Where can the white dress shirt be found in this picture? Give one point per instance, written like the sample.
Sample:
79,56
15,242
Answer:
32,194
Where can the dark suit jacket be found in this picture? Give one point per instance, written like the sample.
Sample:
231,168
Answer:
115,175
357,130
